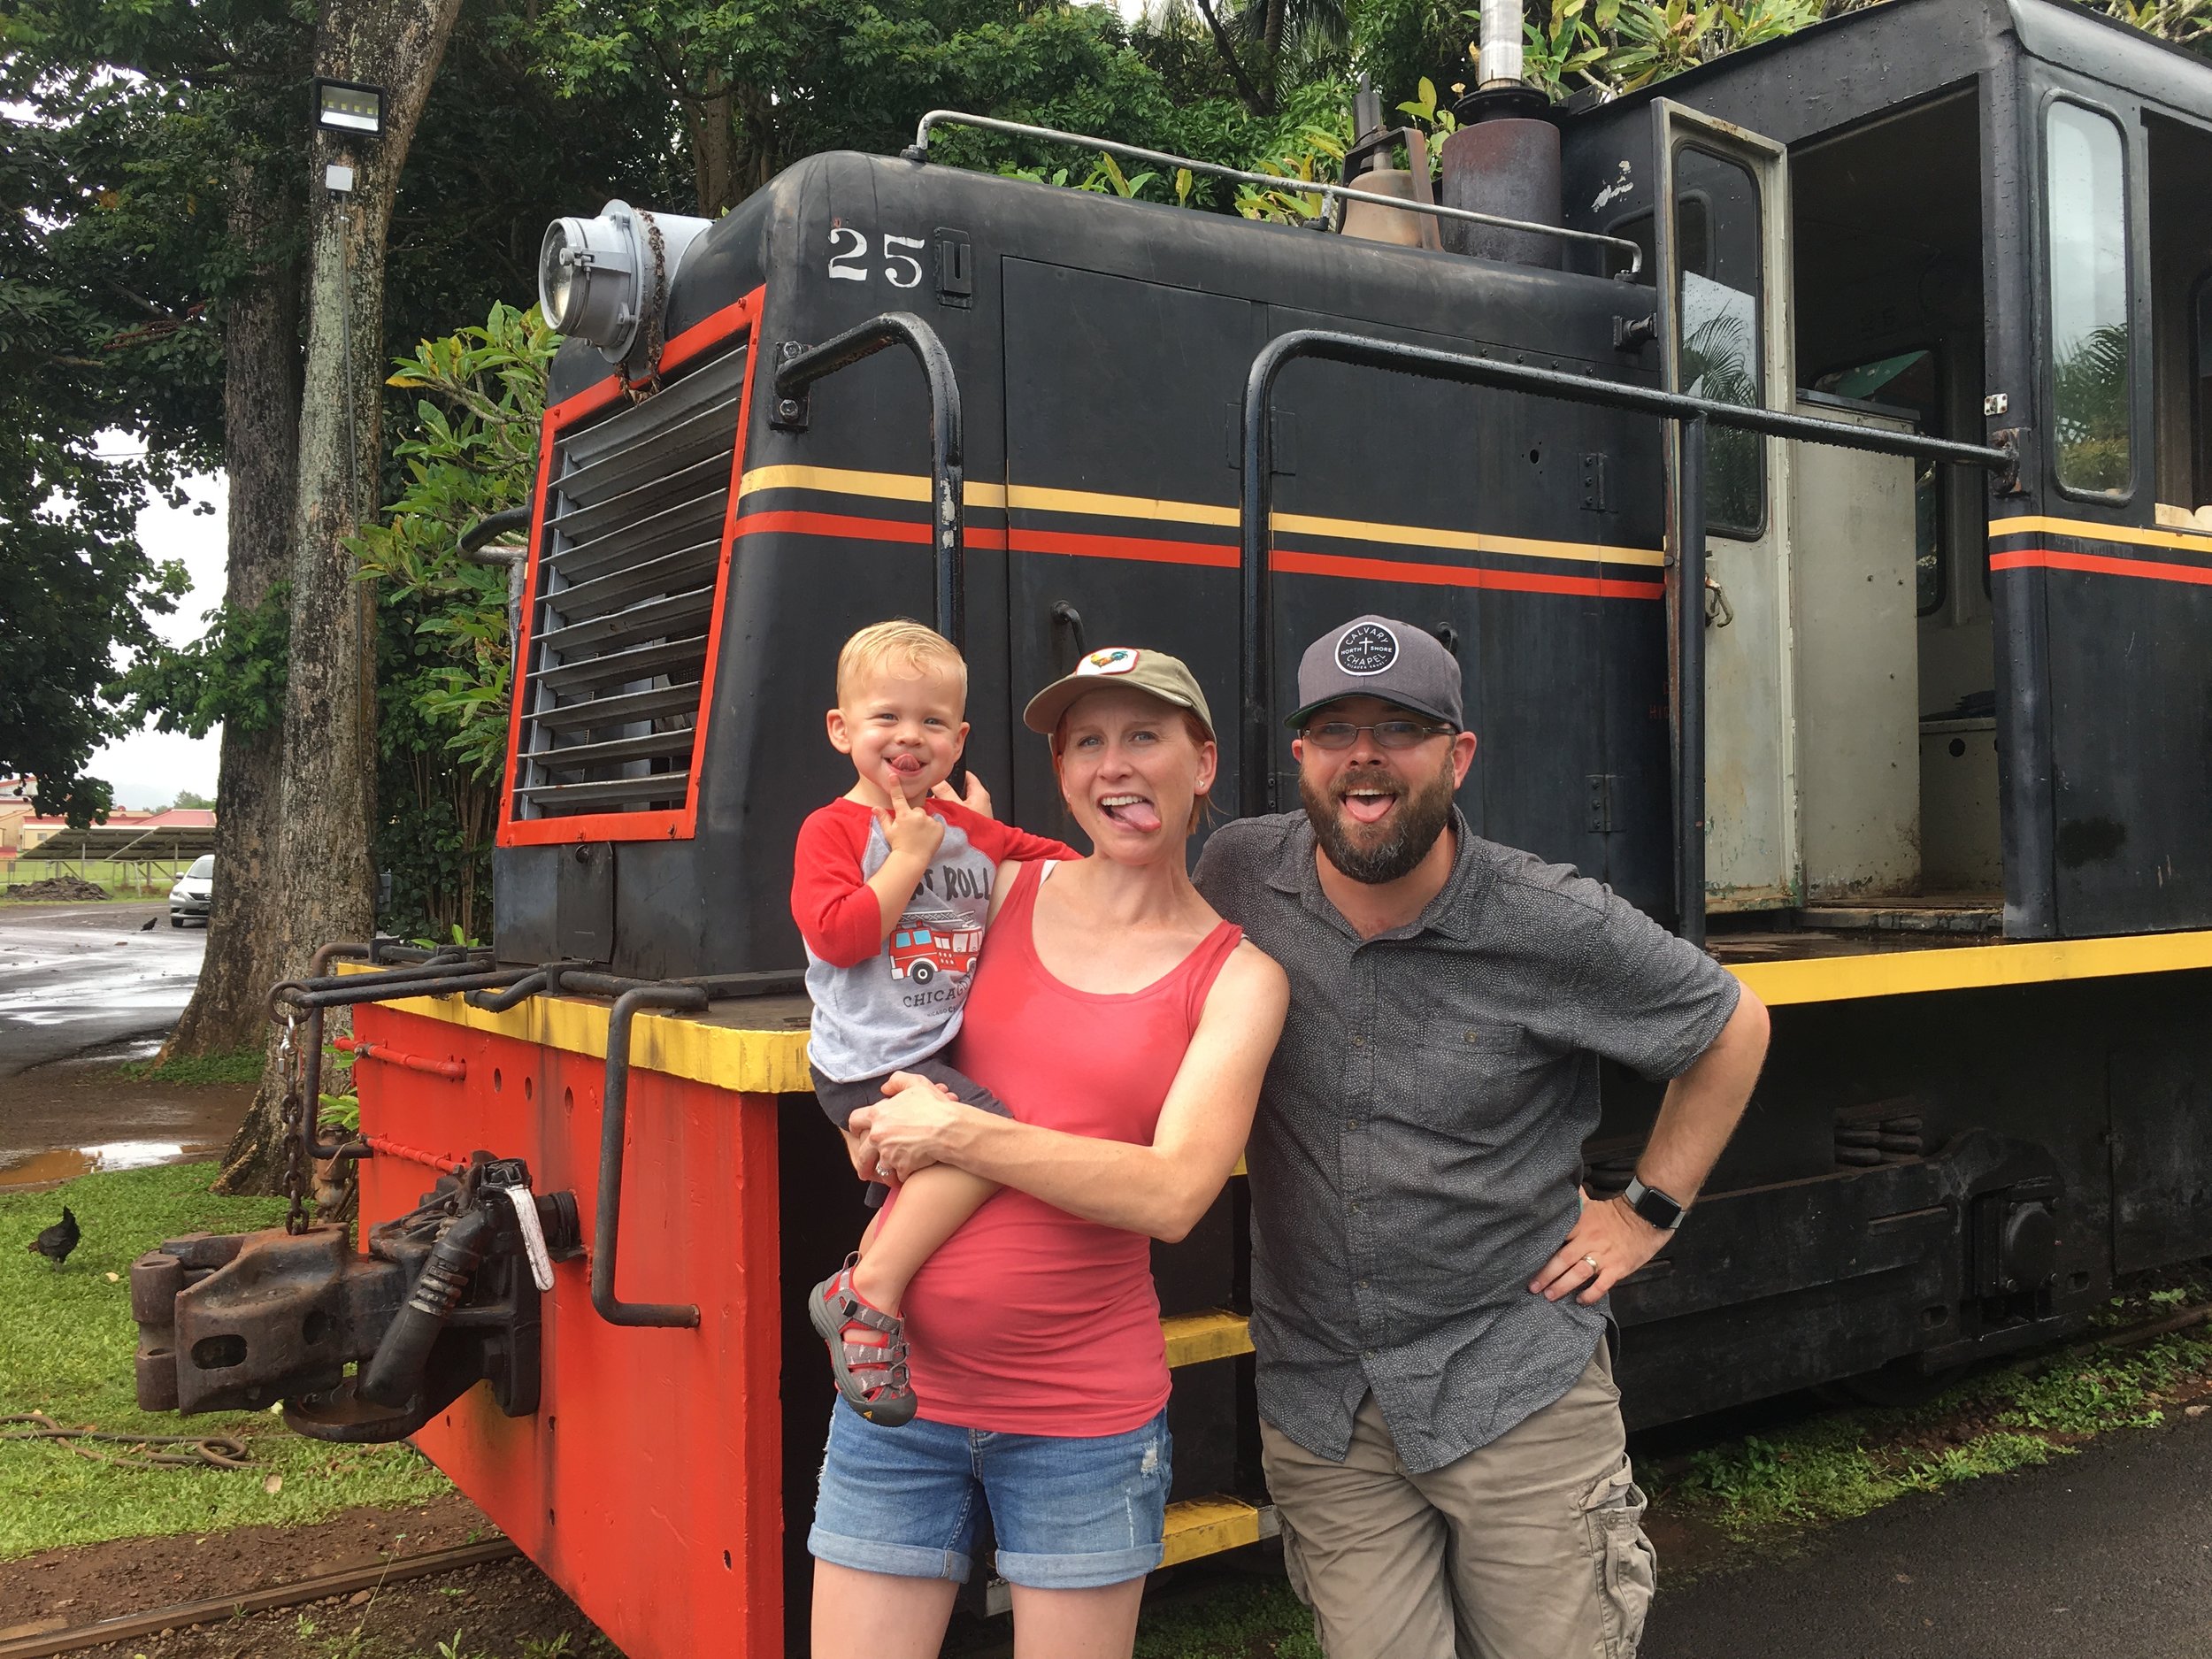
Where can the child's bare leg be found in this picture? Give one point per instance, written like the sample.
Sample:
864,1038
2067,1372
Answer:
932,1204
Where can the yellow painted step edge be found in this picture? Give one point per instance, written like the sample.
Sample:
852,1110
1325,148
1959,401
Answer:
1192,1339
1196,1527
1206,1526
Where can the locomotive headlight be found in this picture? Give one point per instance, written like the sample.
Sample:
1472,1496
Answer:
588,276
599,278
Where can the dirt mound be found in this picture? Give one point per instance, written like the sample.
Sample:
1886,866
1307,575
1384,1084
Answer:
71,890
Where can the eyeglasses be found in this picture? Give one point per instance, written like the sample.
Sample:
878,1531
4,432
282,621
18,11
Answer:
1389,733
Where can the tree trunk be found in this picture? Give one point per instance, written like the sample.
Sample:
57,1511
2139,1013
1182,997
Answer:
760,142
228,1010
1249,93
325,875
713,146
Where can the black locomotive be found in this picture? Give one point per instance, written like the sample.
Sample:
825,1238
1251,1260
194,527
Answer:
1807,462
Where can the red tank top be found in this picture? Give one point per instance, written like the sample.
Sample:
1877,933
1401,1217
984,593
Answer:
1028,1321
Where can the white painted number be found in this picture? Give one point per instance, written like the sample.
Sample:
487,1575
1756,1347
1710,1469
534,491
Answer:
893,260
849,254
838,268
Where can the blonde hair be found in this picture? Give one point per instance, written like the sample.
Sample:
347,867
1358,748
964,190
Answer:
904,640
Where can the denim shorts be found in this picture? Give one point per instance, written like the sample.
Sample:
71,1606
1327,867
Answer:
1069,1513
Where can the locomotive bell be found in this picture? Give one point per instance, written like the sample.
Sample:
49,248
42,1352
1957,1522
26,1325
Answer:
1368,221
601,280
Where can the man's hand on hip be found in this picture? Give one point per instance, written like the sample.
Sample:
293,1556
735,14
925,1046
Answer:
1609,1241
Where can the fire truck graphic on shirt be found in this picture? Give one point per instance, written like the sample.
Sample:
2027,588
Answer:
931,942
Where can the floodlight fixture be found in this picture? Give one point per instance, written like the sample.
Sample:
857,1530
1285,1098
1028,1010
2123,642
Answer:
600,279
348,107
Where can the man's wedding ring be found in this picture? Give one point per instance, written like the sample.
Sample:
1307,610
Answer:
1593,1263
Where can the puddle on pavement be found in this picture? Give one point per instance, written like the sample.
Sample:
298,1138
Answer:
64,1164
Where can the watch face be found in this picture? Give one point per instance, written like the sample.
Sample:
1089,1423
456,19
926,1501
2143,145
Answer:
1655,1207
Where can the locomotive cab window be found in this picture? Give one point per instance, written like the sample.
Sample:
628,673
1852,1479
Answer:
1719,297
2086,217
2180,160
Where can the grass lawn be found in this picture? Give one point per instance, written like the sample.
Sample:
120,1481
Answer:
122,882
66,1340
193,1071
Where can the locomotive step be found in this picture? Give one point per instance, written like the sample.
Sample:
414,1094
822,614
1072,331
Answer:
1195,1338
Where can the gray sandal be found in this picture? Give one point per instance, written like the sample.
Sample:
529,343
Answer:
871,1376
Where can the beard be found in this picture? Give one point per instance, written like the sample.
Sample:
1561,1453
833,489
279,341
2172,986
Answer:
1379,853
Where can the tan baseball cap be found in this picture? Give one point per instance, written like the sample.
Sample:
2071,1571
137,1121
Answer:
1154,672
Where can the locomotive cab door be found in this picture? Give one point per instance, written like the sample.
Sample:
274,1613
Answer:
1723,280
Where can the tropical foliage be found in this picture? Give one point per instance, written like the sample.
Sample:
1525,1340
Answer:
2090,410
444,660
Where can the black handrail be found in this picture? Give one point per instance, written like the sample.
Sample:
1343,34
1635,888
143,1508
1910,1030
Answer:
800,367
1695,415
631,995
614,1114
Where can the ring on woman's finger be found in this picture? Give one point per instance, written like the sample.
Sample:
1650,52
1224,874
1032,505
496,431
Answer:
883,1172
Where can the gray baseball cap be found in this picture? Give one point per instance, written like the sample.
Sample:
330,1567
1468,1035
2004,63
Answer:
1376,656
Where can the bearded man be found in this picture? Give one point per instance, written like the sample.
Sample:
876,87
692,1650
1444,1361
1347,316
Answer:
1443,1436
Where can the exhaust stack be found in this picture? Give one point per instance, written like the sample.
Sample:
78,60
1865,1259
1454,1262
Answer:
1504,158
1500,44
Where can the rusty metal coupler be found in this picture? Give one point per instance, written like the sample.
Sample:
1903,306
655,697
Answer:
447,1296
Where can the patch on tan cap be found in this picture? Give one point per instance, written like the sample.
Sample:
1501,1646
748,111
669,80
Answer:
1114,659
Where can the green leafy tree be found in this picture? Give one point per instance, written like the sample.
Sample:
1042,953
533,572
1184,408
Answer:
761,85
75,587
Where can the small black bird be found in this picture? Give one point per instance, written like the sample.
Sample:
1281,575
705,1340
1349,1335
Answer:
56,1241
146,925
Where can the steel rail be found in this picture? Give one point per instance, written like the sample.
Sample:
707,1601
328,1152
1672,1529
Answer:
918,151
219,1609
1693,417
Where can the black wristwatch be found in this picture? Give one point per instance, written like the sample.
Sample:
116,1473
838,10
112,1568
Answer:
1653,1205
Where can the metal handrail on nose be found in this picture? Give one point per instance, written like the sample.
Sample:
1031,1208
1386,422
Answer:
798,366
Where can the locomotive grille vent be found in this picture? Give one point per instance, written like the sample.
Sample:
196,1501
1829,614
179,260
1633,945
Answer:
624,601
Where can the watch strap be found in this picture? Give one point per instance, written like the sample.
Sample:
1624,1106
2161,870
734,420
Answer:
1653,1205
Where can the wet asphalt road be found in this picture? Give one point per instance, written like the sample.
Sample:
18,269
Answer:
81,986
75,978
2107,1552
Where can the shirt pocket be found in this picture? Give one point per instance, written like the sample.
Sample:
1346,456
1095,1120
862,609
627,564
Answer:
1477,1077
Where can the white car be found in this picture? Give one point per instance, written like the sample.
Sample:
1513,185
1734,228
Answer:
188,899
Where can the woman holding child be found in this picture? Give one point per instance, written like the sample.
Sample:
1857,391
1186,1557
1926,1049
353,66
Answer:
1125,1027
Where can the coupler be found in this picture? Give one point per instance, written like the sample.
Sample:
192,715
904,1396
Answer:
447,1296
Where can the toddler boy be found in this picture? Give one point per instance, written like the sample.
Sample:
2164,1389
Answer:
891,888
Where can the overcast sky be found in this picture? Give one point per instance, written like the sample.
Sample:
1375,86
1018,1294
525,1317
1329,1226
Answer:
148,768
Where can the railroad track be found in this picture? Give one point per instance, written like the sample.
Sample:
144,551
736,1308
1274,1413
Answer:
430,1563
215,1609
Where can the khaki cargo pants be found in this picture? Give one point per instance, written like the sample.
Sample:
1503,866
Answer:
1528,1548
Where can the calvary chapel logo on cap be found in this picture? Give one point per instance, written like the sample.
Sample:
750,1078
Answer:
1380,656
1366,648
1114,659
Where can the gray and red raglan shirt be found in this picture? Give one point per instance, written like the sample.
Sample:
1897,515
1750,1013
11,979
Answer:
881,1005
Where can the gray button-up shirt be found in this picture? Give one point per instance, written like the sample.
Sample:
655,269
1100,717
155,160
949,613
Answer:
1420,1129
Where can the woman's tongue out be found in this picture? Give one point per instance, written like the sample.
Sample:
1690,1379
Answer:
1131,812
